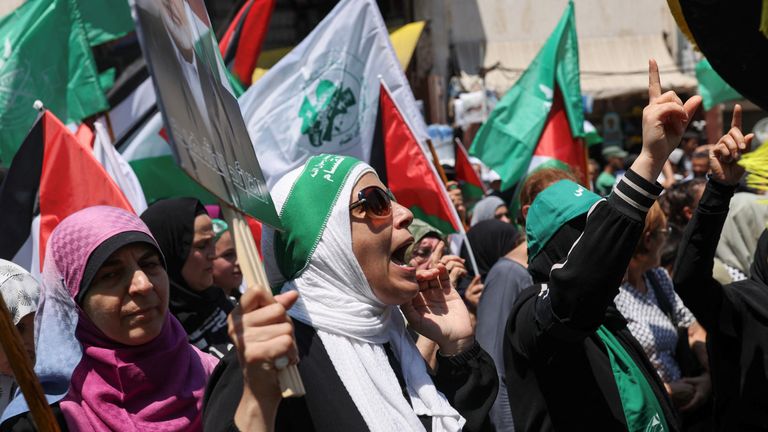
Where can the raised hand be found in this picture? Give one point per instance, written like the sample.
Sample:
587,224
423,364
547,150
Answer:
438,312
452,263
665,119
262,334
724,157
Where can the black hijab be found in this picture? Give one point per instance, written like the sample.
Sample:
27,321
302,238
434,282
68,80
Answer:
172,223
490,240
753,292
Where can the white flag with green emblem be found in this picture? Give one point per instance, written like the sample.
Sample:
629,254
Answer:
323,96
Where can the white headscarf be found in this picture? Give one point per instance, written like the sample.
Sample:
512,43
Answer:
336,300
21,293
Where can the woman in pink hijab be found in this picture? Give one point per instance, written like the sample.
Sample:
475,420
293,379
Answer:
109,353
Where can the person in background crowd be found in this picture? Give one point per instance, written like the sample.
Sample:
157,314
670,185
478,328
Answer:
569,356
427,240
359,365
457,198
21,293
503,284
490,240
681,157
490,207
699,163
226,269
745,222
654,313
734,315
681,202
428,250
184,231
614,158
109,355
593,169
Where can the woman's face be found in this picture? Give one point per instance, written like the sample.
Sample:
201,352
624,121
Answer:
380,245
198,268
26,328
226,270
502,214
128,298
423,251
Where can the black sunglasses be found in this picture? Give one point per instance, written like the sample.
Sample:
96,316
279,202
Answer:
376,201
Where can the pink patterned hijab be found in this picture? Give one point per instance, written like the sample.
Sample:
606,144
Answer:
103,385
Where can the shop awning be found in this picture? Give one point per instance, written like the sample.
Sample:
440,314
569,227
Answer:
610,67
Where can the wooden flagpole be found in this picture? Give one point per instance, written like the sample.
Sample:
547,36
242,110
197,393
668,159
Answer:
24,373
256,278
436,161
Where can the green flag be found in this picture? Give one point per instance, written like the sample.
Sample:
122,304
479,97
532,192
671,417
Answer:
712,88
105,20
44,55
541,115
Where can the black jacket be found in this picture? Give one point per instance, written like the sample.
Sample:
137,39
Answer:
468,380
559,375
735,317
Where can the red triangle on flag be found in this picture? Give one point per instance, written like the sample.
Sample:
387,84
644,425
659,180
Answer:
244,37
409,173
71,179
465,173
558,143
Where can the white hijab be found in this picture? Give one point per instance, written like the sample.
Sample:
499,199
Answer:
336,300
21,294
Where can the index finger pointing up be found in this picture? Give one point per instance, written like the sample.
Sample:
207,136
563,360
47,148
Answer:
736,120
437,254
654,82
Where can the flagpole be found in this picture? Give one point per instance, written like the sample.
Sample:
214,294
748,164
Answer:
436,161
291,384
24,373
453,211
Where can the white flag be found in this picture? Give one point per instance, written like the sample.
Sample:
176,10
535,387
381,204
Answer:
323,96
118,168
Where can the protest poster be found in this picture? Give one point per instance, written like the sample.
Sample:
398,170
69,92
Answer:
202,117
206,130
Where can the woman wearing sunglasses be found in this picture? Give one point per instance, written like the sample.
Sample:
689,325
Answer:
343,250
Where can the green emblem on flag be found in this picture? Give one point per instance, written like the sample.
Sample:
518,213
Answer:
319,119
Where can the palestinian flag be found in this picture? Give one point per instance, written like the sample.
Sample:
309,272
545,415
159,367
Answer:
541,119
405,168
241,44
472,187
59,172
149,155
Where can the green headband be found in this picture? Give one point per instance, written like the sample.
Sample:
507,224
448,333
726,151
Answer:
306,210
553,208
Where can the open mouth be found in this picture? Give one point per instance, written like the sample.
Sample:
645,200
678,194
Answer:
398,256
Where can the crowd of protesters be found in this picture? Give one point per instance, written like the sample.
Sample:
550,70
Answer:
637,303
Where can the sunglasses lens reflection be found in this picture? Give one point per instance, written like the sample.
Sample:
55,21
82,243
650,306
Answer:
377,202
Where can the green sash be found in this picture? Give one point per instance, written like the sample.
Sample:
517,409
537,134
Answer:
306,211
641,407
